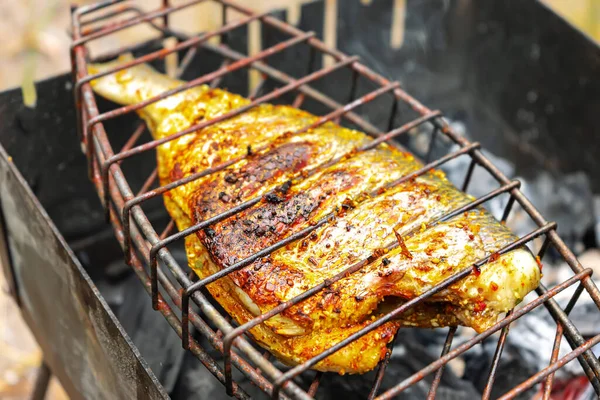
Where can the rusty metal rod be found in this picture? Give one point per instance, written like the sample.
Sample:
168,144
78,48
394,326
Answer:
438,375
400,387
353,268
221,166
166,310
122,190
293,372
537,378
175,297
382,367
249,203
119,26
110,161
487,391
547,386
228,340
314,386
588,360
552,238
202,80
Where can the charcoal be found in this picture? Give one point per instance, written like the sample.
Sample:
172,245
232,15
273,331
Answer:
151,333
529,344
529,347
117,270
432,339
566,199
409,356
586,317
114,294
515,365
420,139
482,182
196,382
585,313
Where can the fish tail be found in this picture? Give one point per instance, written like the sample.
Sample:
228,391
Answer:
130,85
139,83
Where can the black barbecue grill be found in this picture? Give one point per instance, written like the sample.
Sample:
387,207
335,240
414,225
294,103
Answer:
122,168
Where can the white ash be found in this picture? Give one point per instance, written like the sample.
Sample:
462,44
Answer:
482,182
566,199
413,351
585,314
531,338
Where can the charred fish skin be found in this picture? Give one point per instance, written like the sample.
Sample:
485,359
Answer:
368,218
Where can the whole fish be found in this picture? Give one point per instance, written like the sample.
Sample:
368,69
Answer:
391,232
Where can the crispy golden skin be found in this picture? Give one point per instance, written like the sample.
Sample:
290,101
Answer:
365,225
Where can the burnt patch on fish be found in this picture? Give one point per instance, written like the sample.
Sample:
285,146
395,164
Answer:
240,184
271,221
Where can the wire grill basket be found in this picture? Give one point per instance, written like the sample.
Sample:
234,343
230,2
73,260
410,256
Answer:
171,288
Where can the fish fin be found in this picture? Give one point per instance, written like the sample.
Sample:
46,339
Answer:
130,85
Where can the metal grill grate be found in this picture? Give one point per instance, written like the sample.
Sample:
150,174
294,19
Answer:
144,246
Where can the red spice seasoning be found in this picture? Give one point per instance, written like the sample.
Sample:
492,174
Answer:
539,262
494,257
479,306
403,247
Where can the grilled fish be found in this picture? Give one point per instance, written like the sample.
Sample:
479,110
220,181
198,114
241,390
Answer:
364,213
